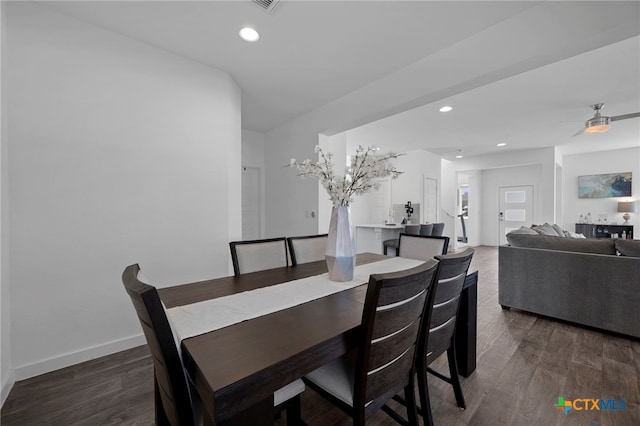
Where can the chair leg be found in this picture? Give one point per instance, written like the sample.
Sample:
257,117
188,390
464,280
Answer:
161,415
293,409
455,378
294,413
423,390
410,398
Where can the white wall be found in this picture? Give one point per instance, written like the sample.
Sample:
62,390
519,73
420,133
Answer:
624,160
120,153
449,202
6,371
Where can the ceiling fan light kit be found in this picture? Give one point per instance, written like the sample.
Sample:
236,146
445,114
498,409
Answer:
600,123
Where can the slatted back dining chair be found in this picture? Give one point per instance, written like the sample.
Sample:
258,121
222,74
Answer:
258,255
363,381
173,391
310,248
422,247
439,337
172,388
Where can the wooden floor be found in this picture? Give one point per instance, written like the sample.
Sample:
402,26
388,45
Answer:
524,364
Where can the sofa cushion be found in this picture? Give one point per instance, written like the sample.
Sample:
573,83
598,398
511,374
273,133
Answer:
628,247
581,245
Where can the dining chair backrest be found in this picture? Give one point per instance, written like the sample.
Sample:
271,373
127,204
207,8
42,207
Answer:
395,305
310,248
426,229
258,255
412,229
169,375
438,229
422,247
450,280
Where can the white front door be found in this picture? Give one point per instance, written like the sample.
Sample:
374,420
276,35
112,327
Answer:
515,209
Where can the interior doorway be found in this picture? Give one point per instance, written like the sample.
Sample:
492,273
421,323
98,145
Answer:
515,209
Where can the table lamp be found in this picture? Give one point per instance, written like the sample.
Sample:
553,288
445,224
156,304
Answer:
627,207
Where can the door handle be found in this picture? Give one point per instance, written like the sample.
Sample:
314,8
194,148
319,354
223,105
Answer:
501,216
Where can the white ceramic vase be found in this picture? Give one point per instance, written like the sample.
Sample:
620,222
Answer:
341,247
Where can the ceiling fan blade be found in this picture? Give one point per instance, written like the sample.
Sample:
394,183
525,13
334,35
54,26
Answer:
625,116
578,133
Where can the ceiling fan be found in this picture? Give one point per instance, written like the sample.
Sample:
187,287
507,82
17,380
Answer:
601,123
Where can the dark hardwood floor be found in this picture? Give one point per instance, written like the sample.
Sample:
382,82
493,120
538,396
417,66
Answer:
525,363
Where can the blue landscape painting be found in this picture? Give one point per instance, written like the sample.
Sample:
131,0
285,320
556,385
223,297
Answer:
607,185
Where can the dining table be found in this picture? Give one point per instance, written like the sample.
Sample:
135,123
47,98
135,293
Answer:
236,369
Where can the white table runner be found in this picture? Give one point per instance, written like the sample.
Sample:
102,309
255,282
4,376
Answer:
202,317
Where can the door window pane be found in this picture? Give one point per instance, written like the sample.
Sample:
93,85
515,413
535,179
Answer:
515,196
513,215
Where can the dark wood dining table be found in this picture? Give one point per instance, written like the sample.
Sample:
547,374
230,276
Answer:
235,370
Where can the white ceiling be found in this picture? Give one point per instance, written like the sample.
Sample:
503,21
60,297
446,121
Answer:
523,73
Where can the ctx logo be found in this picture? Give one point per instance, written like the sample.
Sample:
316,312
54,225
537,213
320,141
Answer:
589,404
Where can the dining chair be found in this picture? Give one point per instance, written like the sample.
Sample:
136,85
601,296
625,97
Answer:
383,363
408,229
258,255
422,247
426,229
438,229
310,248
173,392
439,337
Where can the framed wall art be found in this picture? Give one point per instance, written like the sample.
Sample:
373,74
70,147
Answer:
605,185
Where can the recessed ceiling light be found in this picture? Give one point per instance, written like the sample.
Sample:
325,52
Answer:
501,144
446,109
249,34
458,156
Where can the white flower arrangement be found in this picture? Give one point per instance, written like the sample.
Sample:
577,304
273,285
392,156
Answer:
364,172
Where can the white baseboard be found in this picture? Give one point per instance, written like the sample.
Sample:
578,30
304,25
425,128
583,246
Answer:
45,366
7,384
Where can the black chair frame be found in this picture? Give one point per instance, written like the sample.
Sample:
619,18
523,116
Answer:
234,253
292,252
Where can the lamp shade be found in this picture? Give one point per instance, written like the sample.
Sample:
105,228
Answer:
627,206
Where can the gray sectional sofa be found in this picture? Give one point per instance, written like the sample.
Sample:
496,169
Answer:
585,281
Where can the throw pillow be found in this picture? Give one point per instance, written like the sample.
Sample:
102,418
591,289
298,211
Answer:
628,247
558,230
570,234
545,229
